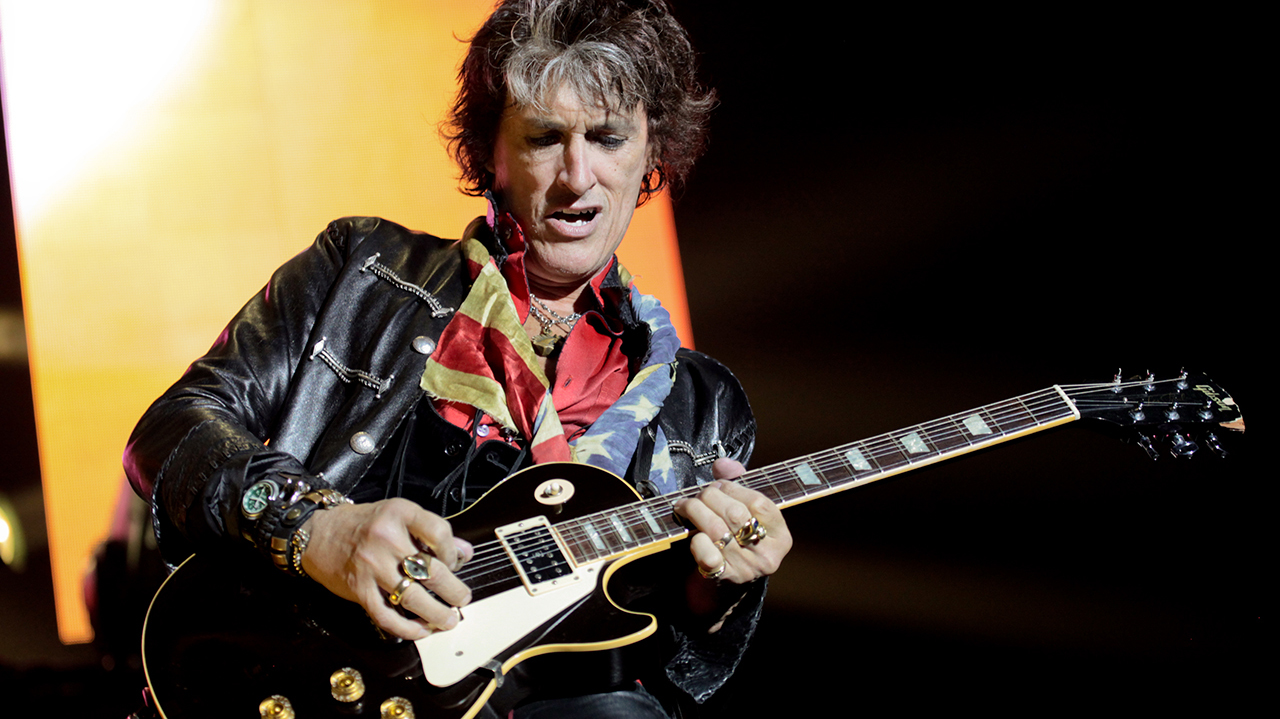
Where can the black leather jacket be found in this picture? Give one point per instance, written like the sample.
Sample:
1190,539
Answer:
317,371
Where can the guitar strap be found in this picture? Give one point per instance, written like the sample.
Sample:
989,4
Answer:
642,460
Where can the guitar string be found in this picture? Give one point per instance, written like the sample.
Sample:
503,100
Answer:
765,477
941,438
939,432
631,517
1033,403
583,530
1048,398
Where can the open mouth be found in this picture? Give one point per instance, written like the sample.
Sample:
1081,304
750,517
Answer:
574,218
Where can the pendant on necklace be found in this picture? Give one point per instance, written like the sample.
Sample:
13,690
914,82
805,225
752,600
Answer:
546,343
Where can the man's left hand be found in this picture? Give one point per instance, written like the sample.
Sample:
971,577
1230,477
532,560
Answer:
740,534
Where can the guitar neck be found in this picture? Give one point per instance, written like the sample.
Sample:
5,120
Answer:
635,526
835,470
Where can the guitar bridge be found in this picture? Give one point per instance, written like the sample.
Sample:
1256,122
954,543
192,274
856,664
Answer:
539,557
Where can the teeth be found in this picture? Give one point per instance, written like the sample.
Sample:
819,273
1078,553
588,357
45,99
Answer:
575,218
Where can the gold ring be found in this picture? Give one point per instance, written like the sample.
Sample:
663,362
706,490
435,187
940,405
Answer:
724,540
715,573
397,595
417,567
751,532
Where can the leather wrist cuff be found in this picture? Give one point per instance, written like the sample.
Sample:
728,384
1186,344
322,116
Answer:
274,510
289,540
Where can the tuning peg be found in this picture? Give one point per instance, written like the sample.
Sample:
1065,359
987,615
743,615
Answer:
1145,443
1180,445
1137,414
1172,413
1206,412
1215,444
1150,386
1115,382
1182,379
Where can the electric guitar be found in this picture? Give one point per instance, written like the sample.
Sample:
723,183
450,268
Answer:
229,641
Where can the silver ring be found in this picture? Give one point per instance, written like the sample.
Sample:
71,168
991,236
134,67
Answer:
417,567
397,595
724,540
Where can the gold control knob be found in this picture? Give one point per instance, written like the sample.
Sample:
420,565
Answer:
396,708
275,707
346,685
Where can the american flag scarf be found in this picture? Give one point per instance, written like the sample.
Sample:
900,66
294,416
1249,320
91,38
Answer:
485,360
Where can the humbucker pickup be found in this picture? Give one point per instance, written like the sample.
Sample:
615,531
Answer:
538,555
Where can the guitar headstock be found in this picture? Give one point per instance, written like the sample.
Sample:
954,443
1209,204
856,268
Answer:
1180,413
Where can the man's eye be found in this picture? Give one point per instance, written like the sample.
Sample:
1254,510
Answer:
611,142
544,140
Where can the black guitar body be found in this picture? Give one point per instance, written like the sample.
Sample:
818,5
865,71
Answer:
223,634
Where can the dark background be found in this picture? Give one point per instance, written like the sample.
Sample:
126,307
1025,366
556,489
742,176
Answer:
903,215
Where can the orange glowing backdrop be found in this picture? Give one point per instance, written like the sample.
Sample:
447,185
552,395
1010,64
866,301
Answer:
167,156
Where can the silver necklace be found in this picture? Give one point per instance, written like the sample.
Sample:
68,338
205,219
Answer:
548,317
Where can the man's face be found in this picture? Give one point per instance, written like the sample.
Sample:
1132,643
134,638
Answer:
571,177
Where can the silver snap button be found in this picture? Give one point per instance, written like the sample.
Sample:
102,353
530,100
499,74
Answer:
482,430
362,443
423,345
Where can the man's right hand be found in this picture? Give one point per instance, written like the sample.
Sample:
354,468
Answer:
356,550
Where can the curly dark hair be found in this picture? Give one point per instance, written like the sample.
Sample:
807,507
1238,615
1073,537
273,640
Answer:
620,53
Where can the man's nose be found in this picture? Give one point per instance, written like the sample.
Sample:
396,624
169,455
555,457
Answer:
577,173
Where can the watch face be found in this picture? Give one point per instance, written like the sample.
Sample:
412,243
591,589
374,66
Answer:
258,497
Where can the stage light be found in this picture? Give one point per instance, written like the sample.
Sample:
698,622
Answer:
13,549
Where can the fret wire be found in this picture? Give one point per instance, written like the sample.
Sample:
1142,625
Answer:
960,430
1007,417
1000,414
957,431
773,491
633,520
1014,416
882,452
923,435
994,422
1049,407
607,531
832,468
786,477
1030,413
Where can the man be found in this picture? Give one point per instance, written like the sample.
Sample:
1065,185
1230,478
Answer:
385,379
